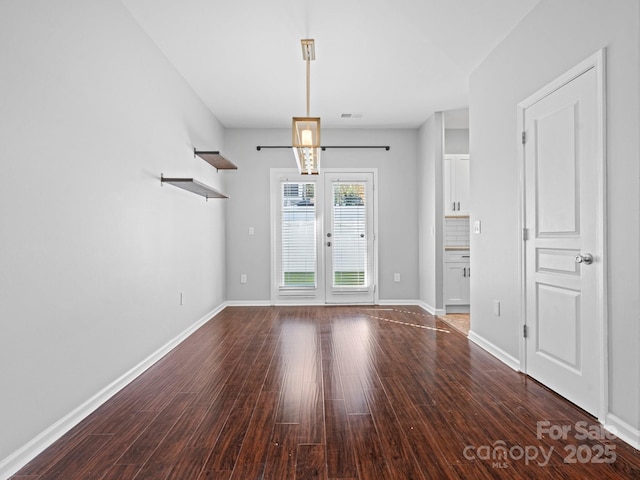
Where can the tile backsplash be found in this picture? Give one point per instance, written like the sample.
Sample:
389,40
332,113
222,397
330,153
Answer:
456,232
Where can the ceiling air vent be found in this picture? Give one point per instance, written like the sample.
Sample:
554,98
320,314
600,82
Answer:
351,115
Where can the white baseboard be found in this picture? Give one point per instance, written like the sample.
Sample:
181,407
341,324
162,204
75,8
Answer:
621,429
497,352
18,459
432,310
398,302
457,309
248,303
298,303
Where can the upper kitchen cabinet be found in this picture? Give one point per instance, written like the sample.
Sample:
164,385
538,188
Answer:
456,185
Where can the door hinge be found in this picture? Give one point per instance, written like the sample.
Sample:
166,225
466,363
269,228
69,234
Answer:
524,331
524,137
525,234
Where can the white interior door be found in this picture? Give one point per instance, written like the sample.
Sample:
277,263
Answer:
564,252
349,238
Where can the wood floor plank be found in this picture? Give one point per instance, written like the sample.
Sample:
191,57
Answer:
369,455
255,447
170,449
339,392
340,451
206,435
311,414
211,475
310,462
331,379
189,464
120,472
252,387
144,446
227,448
66,443
102,461
396,449
281,458
354,397
77,459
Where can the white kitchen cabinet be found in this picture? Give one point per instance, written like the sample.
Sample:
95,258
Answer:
457,278
456,184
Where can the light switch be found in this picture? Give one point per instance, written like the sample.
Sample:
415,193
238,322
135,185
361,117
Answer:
476,227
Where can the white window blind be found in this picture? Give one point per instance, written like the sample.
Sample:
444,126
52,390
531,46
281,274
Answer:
298,235
349,229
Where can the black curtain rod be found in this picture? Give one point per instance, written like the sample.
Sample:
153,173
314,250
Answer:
323,148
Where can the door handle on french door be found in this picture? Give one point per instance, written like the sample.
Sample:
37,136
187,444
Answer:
328,244
585,258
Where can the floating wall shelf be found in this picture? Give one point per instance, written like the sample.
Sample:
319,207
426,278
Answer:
193,186
215,159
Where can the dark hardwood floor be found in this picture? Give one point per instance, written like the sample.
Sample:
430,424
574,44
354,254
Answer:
332,393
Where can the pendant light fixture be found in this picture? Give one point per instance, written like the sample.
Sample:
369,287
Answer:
306,130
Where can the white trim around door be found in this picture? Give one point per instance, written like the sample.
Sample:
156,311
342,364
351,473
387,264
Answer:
312,289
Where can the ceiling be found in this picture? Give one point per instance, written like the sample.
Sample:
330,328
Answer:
392,63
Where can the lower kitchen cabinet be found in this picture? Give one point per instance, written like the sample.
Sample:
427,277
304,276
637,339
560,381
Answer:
457,280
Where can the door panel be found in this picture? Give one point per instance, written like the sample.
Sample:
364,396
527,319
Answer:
561,175
558,325
463,176
556,172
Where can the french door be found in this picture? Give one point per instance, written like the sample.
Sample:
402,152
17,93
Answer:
348,235
323,237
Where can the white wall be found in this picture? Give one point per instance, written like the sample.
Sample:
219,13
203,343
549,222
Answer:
249,189
456,140
94,251
430,146
554,37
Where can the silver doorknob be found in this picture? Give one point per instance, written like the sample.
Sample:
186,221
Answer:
585,258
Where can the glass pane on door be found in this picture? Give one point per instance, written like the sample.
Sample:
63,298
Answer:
298,235
349,235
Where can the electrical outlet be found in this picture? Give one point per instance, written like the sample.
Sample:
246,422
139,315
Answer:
252,231
396,277
496,308
243,278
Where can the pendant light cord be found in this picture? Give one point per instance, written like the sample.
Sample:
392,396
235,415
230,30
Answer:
308,78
